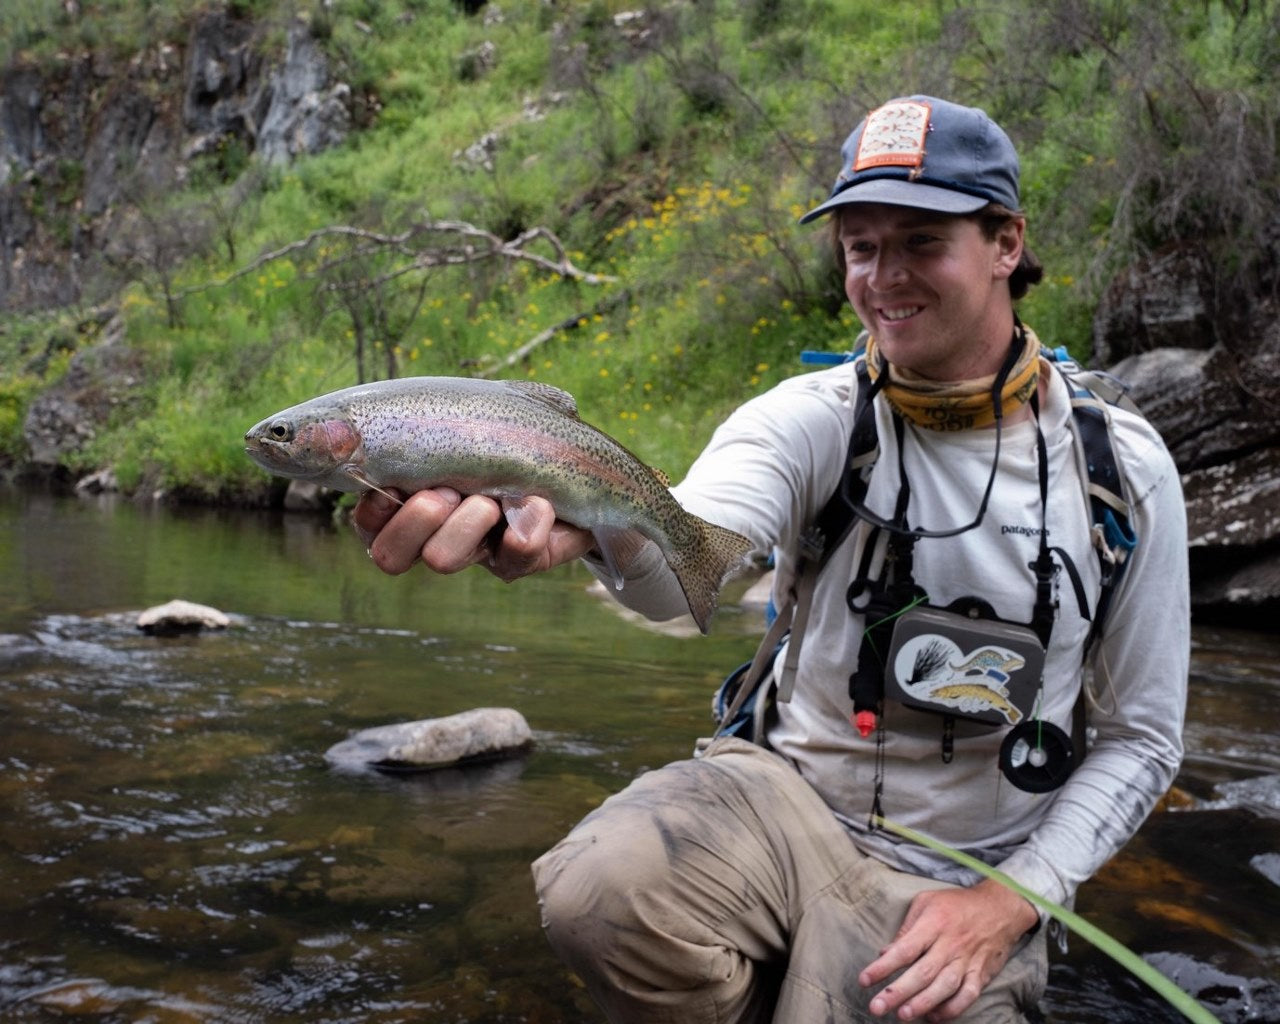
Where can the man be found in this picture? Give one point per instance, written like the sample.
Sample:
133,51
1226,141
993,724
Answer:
946,638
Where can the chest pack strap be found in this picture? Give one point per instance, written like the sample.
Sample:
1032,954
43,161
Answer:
820,541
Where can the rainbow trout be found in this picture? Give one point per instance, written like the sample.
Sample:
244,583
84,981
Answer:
506,439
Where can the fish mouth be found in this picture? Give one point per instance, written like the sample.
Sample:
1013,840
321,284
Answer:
267,453
258,446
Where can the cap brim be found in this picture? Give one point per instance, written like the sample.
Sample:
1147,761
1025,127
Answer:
895,192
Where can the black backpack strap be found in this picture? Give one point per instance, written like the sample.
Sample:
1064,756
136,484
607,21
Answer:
828,531
834,522
817,543
1111,531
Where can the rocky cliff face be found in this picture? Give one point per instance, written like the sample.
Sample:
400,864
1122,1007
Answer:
1205,369
83,137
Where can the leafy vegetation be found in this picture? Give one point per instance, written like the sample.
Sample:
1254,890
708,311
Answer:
669,150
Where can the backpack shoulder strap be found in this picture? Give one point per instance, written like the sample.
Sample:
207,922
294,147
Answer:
828,531
817,542
1111,533
833,523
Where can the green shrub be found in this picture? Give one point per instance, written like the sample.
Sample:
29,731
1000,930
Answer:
674,154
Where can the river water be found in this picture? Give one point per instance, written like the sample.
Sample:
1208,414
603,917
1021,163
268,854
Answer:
174,846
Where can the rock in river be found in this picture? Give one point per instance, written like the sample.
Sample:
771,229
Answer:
481,734
181,617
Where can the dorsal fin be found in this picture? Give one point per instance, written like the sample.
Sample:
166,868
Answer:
661,477
560,400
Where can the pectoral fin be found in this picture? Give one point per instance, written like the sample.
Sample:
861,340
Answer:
521,515
358,475
606,541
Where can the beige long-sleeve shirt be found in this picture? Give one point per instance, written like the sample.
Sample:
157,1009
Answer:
767,473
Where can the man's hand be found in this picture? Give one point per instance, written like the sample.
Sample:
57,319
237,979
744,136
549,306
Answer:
952,943
448,532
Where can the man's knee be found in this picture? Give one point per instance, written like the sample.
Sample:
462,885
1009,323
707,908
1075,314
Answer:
644,947
569,881
647,888
585,887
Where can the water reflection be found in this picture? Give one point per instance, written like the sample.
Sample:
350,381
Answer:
173,846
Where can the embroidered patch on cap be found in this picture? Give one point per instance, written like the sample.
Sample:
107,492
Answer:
893,136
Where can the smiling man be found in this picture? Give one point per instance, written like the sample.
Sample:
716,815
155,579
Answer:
930,287
949,565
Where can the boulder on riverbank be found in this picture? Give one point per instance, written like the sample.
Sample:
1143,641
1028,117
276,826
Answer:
478,735
1204,369
179,616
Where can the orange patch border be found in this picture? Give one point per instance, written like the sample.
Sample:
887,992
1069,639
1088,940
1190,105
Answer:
893,136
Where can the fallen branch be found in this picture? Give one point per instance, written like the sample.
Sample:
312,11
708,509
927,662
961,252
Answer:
479,245
542,337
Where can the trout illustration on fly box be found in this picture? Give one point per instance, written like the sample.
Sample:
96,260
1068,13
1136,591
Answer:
509,440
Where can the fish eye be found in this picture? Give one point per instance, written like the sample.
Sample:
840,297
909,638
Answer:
280,430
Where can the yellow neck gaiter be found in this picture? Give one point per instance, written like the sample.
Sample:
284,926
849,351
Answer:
956,405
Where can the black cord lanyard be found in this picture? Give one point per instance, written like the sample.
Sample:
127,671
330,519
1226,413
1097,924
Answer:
894,591
898,524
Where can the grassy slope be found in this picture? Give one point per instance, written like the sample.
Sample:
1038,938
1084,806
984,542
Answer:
677,170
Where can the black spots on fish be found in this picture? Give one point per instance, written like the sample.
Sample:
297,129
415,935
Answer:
703,565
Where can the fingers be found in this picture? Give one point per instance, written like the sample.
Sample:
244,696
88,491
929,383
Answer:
463,538
448,532
934,987
372,512
397,537
964,997
535,540
522,547
951,944
906,993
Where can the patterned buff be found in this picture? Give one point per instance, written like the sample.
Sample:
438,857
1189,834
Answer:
956,405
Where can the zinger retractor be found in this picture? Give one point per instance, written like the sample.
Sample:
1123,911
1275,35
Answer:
1037,756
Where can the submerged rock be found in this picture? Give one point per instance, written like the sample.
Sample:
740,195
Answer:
1230,997
181,617
481,734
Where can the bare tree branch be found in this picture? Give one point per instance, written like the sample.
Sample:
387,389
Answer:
479,245
542,337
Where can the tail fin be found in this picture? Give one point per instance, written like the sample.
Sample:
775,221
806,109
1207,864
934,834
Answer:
706,566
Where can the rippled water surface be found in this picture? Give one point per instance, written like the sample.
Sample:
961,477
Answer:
174,847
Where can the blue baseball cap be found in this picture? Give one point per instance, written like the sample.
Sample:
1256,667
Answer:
926,153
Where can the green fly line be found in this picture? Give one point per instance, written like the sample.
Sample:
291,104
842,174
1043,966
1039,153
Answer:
1118,952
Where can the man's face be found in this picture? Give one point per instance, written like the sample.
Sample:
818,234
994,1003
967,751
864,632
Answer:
931,288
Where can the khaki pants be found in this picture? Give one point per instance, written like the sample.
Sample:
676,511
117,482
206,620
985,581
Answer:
723,889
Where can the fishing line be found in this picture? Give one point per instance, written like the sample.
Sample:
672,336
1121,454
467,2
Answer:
1036,756
866,629
1088,931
